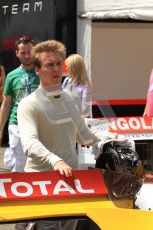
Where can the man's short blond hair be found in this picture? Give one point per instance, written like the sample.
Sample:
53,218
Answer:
47,46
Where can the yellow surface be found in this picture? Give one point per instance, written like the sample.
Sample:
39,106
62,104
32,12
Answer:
101,210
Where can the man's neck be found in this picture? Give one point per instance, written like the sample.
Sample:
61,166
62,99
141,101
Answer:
30,67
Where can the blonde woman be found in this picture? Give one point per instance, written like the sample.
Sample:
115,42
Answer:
2,81
78,81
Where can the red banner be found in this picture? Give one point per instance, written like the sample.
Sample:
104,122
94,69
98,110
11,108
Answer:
131,124
44,185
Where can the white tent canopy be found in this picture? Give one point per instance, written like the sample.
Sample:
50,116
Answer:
90,39
117,9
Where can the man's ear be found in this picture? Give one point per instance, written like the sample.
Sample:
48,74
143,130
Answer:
37,70
16,52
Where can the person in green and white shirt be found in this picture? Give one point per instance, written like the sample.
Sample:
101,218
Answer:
19,83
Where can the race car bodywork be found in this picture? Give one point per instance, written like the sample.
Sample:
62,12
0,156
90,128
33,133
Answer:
35,196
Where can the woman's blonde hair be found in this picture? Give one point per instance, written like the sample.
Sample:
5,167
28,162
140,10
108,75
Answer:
77,69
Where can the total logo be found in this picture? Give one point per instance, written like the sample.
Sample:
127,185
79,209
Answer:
41,185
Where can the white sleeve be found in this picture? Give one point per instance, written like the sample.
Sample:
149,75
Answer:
28,129
85,135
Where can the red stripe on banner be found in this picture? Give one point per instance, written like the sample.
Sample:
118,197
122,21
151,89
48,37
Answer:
125,125
44,185
120,102
131,124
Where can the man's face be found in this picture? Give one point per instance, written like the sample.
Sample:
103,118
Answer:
24,54
51,69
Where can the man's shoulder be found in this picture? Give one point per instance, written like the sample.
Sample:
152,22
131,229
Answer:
30,97
14,71
28,100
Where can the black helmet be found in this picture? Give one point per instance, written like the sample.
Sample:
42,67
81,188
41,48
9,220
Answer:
129,174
